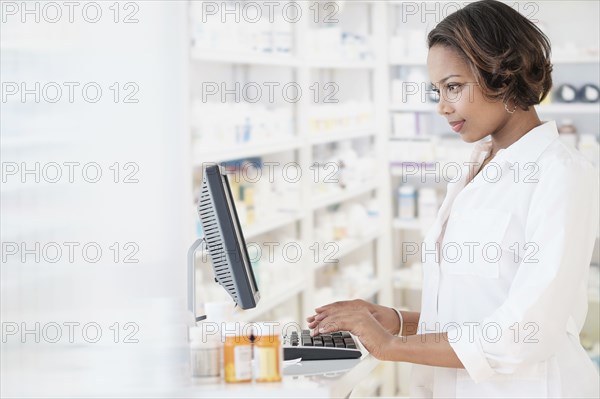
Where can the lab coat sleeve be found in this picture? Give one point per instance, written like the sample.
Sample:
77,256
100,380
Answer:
561,224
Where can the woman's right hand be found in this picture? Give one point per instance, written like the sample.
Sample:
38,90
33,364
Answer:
387,317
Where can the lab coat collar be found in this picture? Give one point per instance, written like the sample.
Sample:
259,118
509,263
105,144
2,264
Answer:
528,148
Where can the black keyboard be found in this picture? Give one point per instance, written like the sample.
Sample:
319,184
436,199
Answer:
337,345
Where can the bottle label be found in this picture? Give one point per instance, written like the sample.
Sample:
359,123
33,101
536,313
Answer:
265,363
206,362
243,360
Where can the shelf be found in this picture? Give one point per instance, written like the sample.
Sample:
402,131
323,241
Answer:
272,300
411,61
576,59
348,246
321,138
411,138
433,171
342,195
569,108
419,107
422,61
253,58
341,64
405,224
244,59
254,150
271,224
408,285
370,289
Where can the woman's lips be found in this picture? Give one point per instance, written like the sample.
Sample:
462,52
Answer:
456,126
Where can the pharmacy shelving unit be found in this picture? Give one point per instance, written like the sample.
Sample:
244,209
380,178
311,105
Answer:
407,287
297,295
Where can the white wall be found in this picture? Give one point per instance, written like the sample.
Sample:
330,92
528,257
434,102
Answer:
147,213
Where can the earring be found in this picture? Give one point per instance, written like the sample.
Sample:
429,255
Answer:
509,111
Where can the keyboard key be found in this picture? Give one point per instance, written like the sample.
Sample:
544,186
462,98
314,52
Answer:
301,344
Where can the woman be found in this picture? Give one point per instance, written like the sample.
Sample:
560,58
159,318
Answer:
506,263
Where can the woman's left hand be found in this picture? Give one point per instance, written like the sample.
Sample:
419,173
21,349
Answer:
359,322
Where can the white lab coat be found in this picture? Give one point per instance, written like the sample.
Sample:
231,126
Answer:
514,301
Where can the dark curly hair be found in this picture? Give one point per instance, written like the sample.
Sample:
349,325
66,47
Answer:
508,54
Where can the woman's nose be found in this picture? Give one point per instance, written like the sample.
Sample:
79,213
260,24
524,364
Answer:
444,107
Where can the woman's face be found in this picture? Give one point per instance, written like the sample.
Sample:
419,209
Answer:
462,102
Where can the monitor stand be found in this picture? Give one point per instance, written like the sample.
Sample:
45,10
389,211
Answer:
192,279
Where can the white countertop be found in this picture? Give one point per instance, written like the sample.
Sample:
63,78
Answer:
310,379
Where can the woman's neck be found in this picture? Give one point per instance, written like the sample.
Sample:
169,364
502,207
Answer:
517,125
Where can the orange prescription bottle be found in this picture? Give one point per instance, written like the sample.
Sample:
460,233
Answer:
268,354
237,358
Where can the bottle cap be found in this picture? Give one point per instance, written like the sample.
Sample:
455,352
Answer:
205,335
242,332
265,329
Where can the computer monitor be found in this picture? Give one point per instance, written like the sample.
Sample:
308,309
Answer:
225,240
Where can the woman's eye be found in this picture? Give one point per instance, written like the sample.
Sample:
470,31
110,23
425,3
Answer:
453,86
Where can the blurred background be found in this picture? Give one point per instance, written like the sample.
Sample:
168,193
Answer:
319,110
